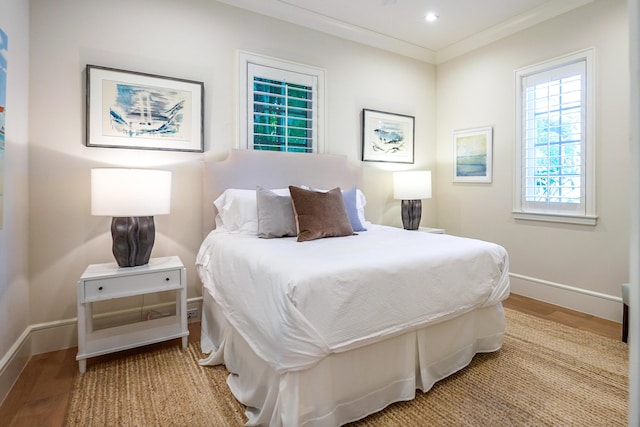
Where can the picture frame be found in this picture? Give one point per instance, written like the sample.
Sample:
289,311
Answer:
4,50
387,137
128,109
473,155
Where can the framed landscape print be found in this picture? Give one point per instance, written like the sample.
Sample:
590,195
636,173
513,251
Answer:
127,109
387,137
472,155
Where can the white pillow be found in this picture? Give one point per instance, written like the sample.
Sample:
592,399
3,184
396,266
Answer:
238,210
361,202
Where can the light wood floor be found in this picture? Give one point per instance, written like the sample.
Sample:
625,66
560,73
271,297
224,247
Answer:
40,396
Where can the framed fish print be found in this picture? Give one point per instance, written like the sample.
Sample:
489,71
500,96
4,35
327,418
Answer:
472,155
127,109
387,137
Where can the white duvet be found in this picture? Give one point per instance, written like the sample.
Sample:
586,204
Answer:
295,303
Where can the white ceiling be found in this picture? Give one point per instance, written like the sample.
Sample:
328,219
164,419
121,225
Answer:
399,25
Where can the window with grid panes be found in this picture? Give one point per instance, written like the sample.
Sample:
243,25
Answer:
554,161
282,110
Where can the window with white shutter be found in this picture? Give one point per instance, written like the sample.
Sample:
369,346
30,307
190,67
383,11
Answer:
554,149
280,105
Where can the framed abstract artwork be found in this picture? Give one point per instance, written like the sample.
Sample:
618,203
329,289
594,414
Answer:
127,109
387,137
4,47
472,155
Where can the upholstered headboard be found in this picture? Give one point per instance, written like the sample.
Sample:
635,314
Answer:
245,169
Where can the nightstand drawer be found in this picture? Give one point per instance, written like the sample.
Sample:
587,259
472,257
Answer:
118,287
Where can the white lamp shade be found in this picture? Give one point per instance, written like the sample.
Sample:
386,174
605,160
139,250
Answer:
412,185
130,192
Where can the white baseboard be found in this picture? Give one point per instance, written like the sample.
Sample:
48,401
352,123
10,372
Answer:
13,363
595,303
58,335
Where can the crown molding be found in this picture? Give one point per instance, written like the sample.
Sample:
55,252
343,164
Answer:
281,9
296,15
518,23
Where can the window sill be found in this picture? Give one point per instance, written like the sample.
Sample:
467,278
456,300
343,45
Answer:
547,217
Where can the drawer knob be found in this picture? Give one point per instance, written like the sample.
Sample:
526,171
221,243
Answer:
166,279
100,288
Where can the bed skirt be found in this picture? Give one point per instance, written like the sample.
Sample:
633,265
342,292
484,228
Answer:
347,386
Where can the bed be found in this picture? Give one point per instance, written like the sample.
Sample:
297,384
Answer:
322,331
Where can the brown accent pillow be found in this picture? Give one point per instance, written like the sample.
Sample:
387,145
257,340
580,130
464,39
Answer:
319,214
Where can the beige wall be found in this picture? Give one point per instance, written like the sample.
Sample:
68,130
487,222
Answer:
478,89
14,287
196,40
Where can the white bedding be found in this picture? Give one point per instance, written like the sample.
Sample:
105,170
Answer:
350,385
295,303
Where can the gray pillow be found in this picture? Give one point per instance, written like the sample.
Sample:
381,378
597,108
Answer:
275,215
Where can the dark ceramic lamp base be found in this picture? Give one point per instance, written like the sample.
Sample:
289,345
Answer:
411,213
133,239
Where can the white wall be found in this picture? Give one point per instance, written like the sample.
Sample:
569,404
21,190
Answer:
196,40
634,267
14,287
478,89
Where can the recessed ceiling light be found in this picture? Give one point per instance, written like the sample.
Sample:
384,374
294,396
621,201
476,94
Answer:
431,17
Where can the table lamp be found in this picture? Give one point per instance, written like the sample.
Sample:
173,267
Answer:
132,197
411,187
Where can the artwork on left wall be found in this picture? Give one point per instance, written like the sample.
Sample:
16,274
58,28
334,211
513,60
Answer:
127,109
4,46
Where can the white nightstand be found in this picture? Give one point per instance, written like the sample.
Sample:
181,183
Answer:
432,230
101,282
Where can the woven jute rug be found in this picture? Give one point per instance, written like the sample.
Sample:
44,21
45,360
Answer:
546,374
